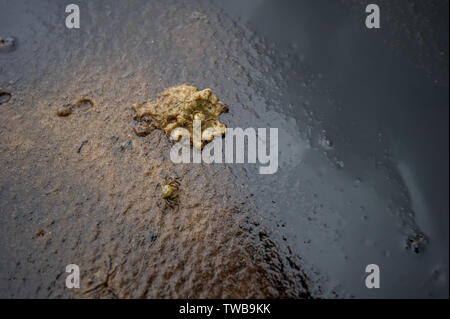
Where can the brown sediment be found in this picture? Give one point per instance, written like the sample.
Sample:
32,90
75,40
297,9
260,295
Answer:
99,202
106,217
210,246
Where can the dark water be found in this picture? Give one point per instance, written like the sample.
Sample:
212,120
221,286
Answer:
381,97
363,146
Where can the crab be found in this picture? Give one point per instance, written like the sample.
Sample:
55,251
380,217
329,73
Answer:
169,191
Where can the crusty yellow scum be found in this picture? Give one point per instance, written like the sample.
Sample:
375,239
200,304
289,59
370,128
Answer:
178,107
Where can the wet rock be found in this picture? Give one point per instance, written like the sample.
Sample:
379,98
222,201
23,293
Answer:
4,97
7,44
176,108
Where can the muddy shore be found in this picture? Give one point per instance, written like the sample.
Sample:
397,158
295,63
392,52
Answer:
85,189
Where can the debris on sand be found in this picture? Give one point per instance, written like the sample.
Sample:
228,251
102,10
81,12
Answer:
416,243
81,146
7,44
65,110
40,233
153,236
176,108
196,15
83,105
127,145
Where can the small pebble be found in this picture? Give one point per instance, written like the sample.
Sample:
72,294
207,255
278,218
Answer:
64,111
40,233
7,44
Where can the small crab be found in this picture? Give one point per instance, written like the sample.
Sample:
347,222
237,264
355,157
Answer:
169,191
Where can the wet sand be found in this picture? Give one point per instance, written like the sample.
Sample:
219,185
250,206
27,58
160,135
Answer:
85,189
